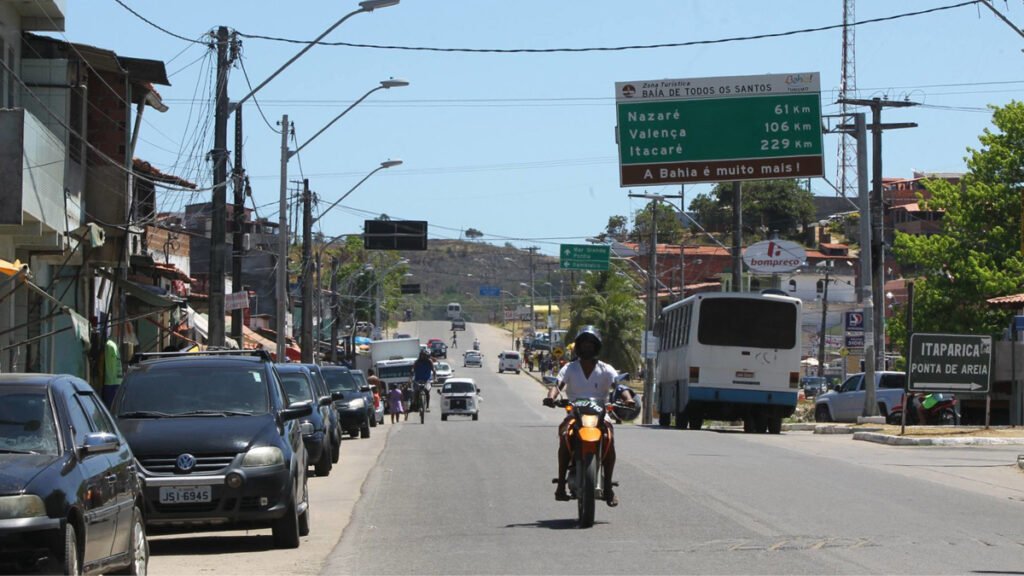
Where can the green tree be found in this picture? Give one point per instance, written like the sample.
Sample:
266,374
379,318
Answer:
617,228
608,300
473,233
768,205
670,230
977,255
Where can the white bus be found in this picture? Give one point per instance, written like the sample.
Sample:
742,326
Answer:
729,356
454,310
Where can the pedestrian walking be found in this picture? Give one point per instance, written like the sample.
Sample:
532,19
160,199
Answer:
406,400
518,343
395,407
455,340
529,362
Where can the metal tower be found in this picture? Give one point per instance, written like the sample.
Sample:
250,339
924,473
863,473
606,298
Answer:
846,177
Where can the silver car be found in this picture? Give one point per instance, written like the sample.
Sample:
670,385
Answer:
442,372
473,358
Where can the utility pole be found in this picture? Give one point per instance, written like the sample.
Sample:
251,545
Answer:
307,273
335,315
282,246
824,315
533,318
650,382
238,314
220,176
877,214
737,236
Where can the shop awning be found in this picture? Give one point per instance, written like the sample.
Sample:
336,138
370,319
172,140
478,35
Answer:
152,296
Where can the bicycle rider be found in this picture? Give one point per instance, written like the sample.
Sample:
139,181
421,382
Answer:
423,373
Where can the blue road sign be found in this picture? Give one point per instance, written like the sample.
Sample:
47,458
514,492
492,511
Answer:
490,290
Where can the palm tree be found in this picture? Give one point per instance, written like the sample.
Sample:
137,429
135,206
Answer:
608,301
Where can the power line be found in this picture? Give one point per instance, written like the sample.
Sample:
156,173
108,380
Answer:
614,48
241,62
157,26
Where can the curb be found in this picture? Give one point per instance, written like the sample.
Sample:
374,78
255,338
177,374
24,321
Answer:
909,441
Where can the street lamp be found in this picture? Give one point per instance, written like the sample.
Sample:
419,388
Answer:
307,269
515,305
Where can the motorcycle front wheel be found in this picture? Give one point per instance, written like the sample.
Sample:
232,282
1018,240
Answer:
587,486
948,418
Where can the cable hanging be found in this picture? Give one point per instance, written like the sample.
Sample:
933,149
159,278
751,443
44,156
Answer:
615,48
157,26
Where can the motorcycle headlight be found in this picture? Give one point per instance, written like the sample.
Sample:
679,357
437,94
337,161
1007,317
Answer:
589,421
306,427
263,456
24,506
357,403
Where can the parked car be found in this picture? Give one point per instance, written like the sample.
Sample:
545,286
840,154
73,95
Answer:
69,491
216,443
442,371
509,360
298,385
813,385
846,403
355,408
472,358
334,423
460,396
438,349
363,383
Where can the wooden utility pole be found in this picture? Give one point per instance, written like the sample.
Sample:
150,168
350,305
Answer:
237,251
307,274
737,236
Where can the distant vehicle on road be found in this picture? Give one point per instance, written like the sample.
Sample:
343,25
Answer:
442,371
458,324
454,310
472,358
509,360
438,349
459,396
846,403
813,385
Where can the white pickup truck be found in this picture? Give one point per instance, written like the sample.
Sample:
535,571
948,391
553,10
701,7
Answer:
846,403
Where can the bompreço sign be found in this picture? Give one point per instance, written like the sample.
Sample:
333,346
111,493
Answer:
774,256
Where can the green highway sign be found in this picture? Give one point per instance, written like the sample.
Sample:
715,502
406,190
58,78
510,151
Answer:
583,257
956,363
719,129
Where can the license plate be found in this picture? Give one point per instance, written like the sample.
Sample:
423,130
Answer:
744,374
185,494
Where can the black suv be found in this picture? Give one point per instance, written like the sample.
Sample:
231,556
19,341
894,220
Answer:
216,442
355,408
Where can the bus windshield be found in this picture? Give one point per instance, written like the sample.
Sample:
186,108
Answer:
748,323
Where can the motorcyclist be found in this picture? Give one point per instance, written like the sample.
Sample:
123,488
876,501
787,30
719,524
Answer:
423,373
476,344
585,377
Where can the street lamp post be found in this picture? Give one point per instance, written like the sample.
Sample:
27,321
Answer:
307,246
514,306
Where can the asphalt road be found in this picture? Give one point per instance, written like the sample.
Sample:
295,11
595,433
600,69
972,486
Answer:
464,497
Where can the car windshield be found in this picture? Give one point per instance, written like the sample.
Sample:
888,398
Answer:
360,378
459,388
26,423
297,387
442,367
181,391
340,380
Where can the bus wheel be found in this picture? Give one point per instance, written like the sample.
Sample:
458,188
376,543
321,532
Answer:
748,424
681,420
664,418
774,425
695,421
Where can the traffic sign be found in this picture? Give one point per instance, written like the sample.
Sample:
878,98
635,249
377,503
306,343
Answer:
410,288
950,363
854,321
583,257
558,352
490,290
719,129
855,342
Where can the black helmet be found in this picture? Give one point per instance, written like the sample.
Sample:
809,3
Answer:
589,332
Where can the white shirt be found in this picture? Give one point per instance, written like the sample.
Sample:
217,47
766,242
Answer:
577,385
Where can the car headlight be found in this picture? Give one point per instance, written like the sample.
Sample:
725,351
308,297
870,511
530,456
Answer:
589,421
24,506
306,427
263,456
357,403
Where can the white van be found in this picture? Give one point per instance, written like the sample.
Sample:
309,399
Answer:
454,310
509,360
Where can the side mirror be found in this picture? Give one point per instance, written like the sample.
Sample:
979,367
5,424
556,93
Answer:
337,395
100,443
364,388
297,410
324,401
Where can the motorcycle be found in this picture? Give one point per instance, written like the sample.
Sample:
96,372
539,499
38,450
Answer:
939,410
588,441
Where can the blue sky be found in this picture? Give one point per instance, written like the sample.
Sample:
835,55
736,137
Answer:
521,146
